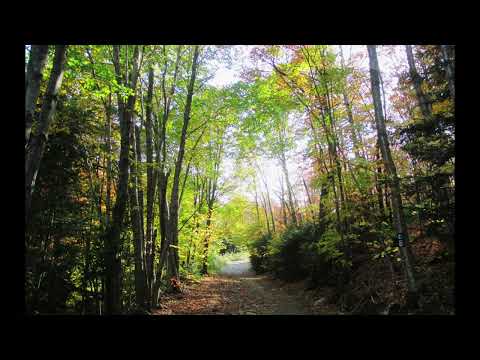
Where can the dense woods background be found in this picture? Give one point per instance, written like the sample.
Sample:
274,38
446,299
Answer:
140,172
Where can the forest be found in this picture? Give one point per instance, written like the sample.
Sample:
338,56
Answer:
239,179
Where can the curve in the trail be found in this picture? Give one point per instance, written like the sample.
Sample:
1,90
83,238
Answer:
267,297
237,268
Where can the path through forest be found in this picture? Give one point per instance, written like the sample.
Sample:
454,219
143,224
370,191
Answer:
237,290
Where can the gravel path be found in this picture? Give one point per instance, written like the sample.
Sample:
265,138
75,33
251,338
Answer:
237,290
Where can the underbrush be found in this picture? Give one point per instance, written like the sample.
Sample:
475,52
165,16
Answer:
368,281
299,253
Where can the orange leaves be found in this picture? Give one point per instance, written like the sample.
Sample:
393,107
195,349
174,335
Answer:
175,284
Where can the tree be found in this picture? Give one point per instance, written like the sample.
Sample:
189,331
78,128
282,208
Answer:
33,78
112,234
35,149
398,215
172,234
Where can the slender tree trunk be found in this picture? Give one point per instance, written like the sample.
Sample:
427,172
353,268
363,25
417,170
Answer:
173,228
256,203
264,203
113,266
36,63
423,100
289,189
162,177
346,102
207,239
282,201
35,149
399,217
309,198
450,67
150,184
108,201
269,203
136,220
378,186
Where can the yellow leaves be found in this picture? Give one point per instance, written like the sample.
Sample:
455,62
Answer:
444,106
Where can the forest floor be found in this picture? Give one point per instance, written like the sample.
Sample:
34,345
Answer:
237,290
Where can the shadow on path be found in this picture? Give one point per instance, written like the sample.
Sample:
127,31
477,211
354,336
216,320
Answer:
237,290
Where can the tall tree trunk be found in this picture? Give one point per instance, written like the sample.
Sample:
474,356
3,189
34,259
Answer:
399,217
136,220
264,203
138,153
162,176
448,57
423,100
207,239
35,149
309,198
256,202
138,167
150,184
112,234
36,63
346,102
378,186
292,209
108,201
173,226
282,201
269,203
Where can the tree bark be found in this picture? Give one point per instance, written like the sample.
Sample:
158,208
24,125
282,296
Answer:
173,226
35,149
112,234
108,201
36,63
378,186
423,100
150,184
348,107
449,67
291,206
136,220
264,203
399,218
162,176
207,239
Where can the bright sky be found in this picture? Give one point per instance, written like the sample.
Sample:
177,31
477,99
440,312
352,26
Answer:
271,170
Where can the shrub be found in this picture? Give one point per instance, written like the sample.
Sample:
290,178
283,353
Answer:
301,252
258,253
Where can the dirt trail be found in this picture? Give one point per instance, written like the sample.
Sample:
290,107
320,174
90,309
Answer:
237,290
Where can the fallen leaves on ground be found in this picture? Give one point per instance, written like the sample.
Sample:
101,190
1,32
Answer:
250,295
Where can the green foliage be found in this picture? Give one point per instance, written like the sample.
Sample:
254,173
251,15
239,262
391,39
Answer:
263,115
299,253
258,253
